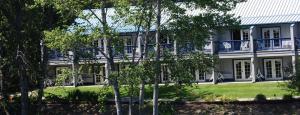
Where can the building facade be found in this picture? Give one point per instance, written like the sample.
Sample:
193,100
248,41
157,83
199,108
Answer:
265,47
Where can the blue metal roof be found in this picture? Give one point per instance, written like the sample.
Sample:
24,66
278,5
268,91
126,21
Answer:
253,12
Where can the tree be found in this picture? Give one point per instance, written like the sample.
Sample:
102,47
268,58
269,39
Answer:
140,15
22,24
102,30
184,27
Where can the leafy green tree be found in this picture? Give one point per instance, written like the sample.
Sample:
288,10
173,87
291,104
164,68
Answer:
22,24
102,30
185,27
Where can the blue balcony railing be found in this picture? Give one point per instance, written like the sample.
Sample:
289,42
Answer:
233,45
167,47
273,44
55,55
129,48
208,47
186,48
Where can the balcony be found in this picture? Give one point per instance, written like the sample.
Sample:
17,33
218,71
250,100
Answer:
56,55
273,44
233,46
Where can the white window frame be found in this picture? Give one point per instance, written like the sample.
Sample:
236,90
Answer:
197,73
242,34
273,67
271,32
242,70
162,73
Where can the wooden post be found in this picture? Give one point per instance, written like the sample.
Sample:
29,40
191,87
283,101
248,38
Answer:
253,58
175,47
139,45
294,51
213,72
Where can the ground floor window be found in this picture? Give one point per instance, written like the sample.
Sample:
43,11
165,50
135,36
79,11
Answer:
273,68
165,73
200,75
242,69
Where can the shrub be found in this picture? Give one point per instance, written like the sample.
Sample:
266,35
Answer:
77,95
287,97
166,107
225,98
260,97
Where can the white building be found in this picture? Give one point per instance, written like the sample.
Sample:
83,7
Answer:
266,45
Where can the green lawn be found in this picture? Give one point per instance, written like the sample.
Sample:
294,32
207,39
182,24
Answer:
194,92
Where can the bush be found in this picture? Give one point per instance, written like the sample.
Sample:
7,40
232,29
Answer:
225,99
287,97
260,97
77,95
166,107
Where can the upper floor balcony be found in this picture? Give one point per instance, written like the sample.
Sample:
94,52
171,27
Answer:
261,39
220,47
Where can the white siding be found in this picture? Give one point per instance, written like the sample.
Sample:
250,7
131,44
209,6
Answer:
225,35
226,68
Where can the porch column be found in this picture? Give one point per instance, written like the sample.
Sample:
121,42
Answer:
252,42
293,40
253,68
253,58
107,65
175,47
212,52
139,45
294,48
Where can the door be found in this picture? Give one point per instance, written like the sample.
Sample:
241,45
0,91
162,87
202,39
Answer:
99,75
128,45
245,34
273,69
242,69
165,74
200,75
271,37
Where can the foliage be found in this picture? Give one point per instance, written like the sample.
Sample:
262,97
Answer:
260,97
287,97
65,94
63,77
167,107
293,85
194,92
226,99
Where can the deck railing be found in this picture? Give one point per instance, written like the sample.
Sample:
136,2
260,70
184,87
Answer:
186,48
208,47
233,45
56,55
273,44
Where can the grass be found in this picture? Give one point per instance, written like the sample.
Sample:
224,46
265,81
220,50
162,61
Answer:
194,92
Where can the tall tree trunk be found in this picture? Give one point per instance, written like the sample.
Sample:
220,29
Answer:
110,61
141,97
157,58
116,90
23,83
43,74
24,92
144,57
20,57
130,100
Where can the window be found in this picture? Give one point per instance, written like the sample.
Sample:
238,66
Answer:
245,34
129,45
236,35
